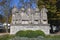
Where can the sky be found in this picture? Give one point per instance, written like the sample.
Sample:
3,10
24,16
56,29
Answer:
17,4
0,0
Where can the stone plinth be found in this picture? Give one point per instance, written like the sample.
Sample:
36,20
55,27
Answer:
15,28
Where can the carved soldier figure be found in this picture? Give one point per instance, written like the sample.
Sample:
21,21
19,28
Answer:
44,15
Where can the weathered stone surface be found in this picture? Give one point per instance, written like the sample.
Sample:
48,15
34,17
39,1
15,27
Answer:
16,28
29,19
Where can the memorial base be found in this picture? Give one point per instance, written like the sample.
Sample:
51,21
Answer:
15,28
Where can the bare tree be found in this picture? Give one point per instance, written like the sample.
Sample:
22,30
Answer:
5,4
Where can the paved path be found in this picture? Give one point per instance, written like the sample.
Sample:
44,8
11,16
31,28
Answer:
4,33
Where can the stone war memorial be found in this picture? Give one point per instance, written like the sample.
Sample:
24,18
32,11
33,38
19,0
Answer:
29,19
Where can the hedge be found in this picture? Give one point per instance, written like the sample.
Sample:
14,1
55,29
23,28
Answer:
30,33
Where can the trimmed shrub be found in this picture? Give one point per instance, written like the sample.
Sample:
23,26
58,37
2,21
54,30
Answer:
21,33
30,33
39,33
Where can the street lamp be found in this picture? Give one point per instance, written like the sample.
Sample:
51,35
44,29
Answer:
6,27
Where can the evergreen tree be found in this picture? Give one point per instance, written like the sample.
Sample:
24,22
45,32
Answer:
51,5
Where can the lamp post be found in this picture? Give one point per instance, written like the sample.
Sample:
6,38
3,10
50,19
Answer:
6,15
6,27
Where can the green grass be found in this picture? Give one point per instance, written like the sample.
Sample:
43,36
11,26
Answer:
30,34
6,37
